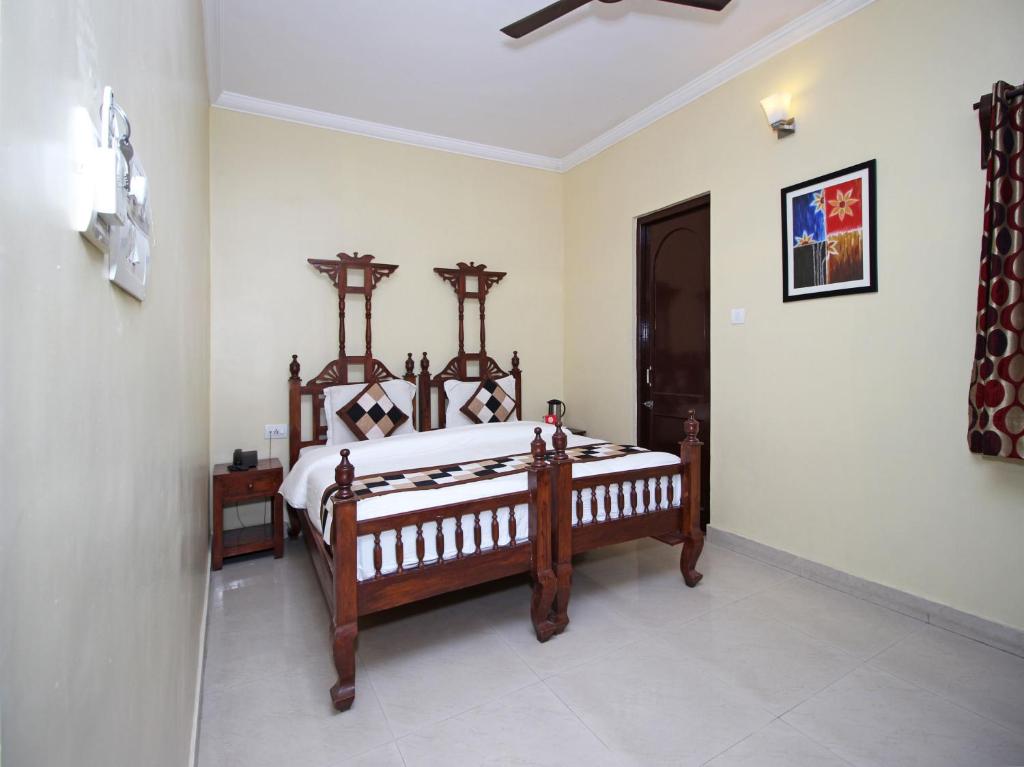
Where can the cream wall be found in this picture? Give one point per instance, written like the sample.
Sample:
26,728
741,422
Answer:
839,424
282,193
104,400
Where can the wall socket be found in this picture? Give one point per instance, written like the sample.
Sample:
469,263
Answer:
275,431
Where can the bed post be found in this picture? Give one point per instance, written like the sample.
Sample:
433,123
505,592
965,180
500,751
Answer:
561,526
518,376
346,612
294,432
423,394
693,537
544,584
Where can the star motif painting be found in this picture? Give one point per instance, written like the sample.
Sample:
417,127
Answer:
828,235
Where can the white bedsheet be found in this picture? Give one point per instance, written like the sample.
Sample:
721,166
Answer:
313,473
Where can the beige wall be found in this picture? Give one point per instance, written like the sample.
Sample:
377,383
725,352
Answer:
839,424
282,193
104,400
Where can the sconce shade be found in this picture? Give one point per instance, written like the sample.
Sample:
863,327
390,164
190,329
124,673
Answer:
776,107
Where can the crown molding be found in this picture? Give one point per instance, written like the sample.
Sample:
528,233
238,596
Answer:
784,37
238,102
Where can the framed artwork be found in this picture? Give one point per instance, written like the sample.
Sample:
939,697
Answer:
828,235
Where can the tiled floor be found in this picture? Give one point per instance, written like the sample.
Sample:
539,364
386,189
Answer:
753,667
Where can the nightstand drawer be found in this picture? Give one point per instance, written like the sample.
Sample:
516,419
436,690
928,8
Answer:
241,485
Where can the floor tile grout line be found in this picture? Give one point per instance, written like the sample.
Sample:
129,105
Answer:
840,757
579,718
829,642
380,703
468,709
1013,730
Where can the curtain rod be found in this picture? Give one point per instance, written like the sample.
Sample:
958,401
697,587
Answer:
1011,94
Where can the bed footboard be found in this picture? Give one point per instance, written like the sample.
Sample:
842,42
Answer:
450,551
605,509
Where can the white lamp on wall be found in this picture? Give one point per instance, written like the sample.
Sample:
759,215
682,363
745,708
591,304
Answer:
777,108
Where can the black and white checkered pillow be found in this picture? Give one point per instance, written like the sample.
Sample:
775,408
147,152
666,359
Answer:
489,404
372,414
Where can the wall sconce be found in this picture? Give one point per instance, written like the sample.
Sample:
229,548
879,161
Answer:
777,109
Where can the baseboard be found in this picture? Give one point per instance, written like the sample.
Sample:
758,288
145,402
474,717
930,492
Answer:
980,629
197,708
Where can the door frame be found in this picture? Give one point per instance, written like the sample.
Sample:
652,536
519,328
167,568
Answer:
640,302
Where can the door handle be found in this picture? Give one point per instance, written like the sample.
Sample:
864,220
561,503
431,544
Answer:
648,403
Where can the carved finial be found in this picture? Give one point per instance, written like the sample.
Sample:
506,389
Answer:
343,475
515,360
409,365
559,441
691,427
537,449
293,367
424,363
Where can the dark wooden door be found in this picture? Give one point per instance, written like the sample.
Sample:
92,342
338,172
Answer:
673,317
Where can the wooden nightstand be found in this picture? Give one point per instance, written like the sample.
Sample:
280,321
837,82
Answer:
237,487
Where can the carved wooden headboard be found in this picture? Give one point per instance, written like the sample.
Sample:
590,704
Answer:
347,368
470,281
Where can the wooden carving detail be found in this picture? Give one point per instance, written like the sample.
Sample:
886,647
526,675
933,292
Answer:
485,280
474,281
338,271
491,369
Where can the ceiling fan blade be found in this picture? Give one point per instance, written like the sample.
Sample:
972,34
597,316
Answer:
707,5
544,16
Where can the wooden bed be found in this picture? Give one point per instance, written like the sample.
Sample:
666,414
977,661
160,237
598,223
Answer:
336,564
558,526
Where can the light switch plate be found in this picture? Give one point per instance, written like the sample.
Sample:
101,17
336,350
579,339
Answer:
738,316
275,431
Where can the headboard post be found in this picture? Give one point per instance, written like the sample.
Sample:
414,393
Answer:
458,367
518,376
423,393
341,370
485,280
294,411
338,272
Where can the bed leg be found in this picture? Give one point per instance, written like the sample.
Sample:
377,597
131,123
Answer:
346,608
545,587
693,537
343,693
692,547
294,524
544,593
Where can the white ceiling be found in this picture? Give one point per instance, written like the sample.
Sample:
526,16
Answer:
442,73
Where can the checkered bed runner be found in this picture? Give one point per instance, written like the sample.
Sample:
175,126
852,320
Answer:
469,471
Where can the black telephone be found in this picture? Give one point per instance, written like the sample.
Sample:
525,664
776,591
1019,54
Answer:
243,460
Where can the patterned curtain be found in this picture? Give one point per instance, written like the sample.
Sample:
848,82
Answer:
997,380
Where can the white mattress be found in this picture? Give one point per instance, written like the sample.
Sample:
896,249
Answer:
313,473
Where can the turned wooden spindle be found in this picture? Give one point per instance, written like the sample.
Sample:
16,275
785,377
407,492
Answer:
294,368
692,427
559,442
537,449
424,363
343,476
410,366
515,361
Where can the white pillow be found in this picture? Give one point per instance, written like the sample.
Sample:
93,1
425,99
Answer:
401,393
458,394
